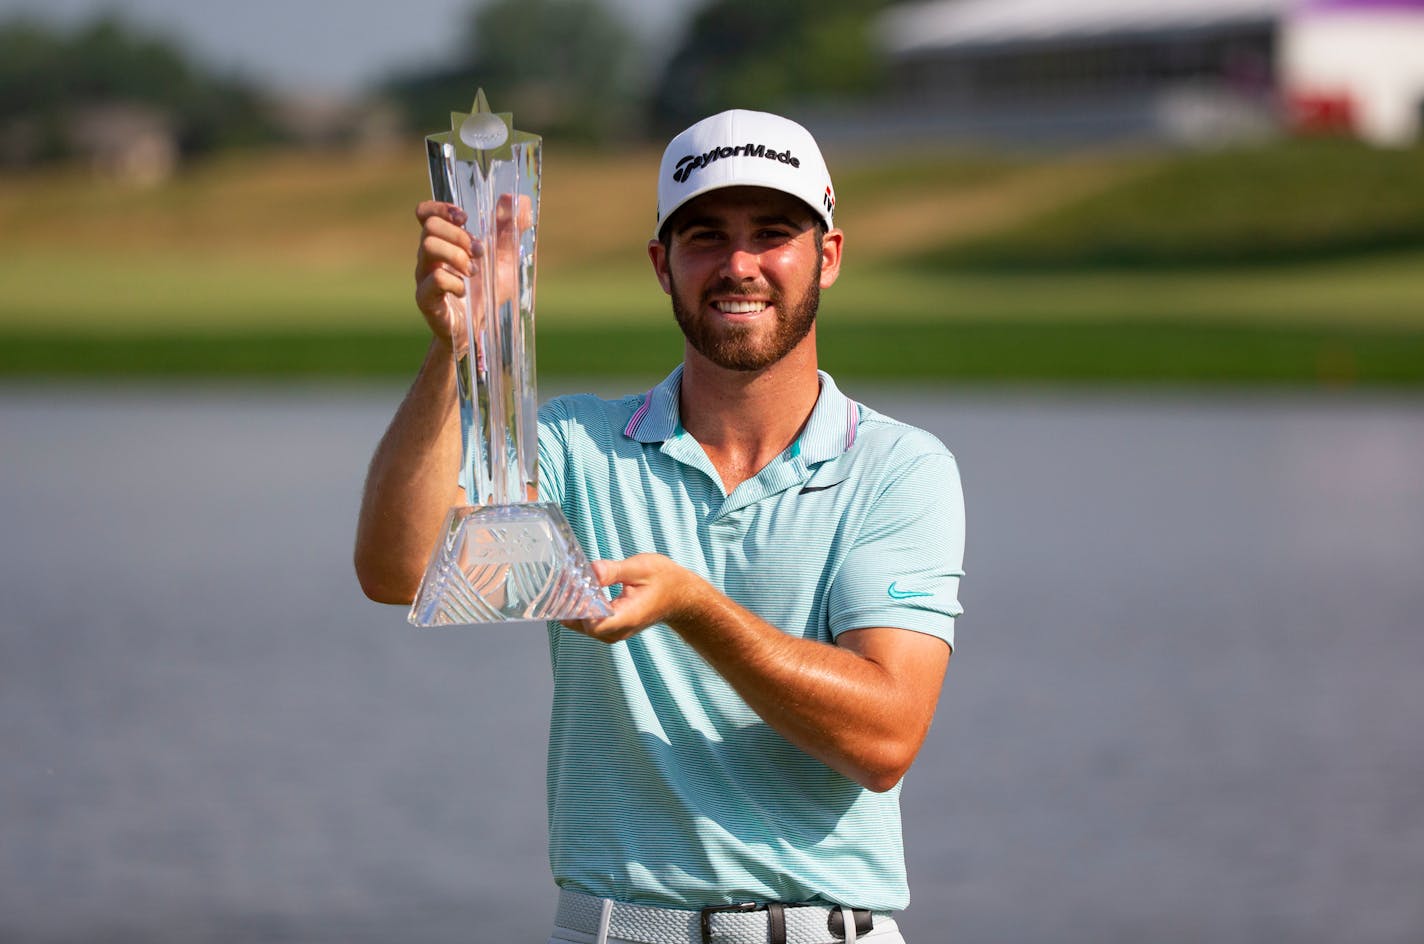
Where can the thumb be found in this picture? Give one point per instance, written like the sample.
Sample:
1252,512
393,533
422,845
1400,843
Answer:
607,572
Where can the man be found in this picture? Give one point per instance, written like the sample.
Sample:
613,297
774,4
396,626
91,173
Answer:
725,748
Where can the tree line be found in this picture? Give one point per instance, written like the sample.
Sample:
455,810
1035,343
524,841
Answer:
49,78
568,68
573,68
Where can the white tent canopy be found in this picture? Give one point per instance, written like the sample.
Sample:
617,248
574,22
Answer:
1370,59
945,24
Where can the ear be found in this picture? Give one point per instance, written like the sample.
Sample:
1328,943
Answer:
831,245
658,255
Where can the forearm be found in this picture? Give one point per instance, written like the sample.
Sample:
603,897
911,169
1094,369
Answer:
411,484
863,709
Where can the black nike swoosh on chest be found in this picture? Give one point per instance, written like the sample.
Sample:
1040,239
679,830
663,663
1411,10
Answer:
821,488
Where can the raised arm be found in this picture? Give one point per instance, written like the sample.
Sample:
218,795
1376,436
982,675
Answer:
411,484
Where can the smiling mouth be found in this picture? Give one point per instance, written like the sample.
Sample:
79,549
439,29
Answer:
739,307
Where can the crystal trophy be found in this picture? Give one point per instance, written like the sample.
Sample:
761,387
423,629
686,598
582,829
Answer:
506,556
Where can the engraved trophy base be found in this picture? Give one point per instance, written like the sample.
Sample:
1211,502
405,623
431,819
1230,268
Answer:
504,563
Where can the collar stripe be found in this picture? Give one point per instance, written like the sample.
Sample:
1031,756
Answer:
638,416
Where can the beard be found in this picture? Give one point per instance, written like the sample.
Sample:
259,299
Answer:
748,346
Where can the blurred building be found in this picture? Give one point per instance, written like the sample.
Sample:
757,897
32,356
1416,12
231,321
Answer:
1198,71
1356,65
329,121
130,142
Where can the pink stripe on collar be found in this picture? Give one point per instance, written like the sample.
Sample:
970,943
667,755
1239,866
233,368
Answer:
638,415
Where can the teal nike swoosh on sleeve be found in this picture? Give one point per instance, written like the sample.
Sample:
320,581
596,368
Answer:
895,593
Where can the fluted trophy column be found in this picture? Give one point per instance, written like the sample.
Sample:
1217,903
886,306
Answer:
505,556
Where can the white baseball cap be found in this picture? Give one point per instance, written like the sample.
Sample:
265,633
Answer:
744,149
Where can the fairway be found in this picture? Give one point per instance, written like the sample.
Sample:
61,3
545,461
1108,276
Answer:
283,251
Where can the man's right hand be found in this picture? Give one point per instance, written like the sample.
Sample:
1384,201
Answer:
448,255
445,258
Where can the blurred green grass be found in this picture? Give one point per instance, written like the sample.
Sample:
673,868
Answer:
1193,352
1289,202
959,266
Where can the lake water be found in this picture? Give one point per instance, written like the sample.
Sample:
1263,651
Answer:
1186,703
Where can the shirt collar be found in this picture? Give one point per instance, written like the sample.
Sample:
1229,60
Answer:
831,429
657,420
829,432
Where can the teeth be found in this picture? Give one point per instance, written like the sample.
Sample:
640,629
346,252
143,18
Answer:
740,308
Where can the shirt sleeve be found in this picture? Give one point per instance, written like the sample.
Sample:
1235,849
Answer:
553,452
904,568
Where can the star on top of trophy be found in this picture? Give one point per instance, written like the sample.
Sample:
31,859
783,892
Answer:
481,135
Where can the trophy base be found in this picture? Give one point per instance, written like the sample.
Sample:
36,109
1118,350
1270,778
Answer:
506,563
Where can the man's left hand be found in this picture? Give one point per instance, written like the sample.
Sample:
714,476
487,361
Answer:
862,705
655,590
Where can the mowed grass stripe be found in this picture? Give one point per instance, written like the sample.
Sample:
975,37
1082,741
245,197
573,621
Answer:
1186,353
143,294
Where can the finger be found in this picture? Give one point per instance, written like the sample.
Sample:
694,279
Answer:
441,282
448,231
504,212
619,615
436,209
606,630
608,572
436,253
440,229
444,241
437,289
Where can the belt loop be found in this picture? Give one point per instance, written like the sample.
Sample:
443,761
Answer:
604,918
776,922
847,922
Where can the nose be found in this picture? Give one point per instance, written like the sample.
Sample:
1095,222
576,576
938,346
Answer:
741,264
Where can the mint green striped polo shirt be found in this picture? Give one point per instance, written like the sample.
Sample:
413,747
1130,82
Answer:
664,788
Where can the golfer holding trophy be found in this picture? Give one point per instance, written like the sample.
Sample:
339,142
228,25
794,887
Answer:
750,663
